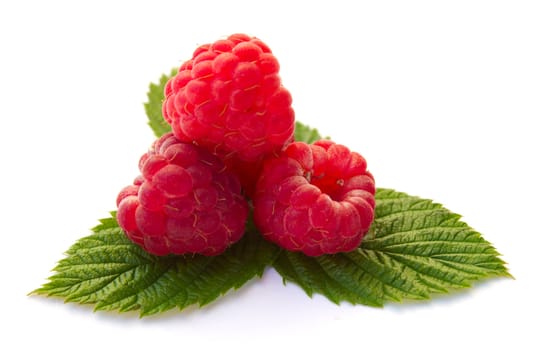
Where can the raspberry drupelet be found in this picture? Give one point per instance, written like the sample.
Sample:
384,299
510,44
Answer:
316,199
229,99
185,201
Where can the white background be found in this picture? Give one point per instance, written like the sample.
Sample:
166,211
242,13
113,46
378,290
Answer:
444,99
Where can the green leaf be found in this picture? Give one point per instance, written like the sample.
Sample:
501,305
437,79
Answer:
108,270
305,133
154,105
415,249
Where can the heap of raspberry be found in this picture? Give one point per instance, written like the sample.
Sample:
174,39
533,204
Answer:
317,199
186,201
229,99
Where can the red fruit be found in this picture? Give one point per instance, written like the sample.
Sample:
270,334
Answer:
317,199
186,201
229,99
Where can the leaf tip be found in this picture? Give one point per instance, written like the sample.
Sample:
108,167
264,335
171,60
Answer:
37,291
507,274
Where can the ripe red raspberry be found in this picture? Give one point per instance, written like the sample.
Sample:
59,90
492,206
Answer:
229,99
317,199
186,201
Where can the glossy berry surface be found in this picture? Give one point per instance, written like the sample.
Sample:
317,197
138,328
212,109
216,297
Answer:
185,201
316,199
228,98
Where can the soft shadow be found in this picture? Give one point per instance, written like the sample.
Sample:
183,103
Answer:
450,298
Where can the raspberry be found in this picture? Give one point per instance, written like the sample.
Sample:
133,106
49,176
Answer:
229,99
317,199
185,201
